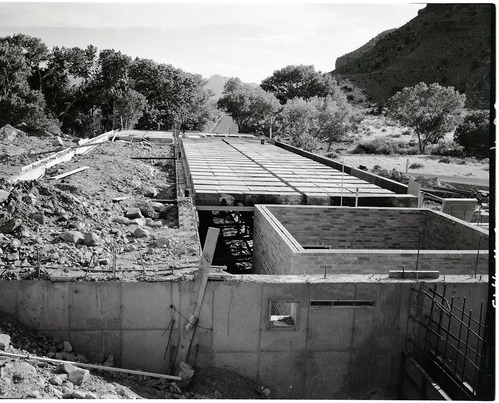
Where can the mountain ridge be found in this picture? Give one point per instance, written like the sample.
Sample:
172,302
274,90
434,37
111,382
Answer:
450,44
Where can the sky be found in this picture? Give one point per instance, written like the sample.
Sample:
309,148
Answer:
248,40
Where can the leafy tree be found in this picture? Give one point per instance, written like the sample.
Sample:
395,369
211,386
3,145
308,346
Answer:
253,109
335,118
300,122
18,102
431,110
474,134
299,82
129,106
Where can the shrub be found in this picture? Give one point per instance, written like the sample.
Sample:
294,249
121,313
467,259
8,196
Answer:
446,148
379,145
416,165
474,135
445,160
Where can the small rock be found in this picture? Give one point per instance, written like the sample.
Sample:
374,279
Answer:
67,347
68,356
138,221
266,392
55,392
153,224
72,236
7,226
81,358
20,366
108,396
186,372
53,256
121,220
56,380
3,195
141,233
217,395
90,395
91,239
148,211
162,242
133,212
104,261
33,393
30,199
4,342
76,376
78,394
158,207
150,192
130,248
15,244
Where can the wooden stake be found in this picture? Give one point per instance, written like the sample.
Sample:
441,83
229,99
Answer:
198,295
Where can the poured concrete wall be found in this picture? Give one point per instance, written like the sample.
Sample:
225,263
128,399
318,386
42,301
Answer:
336,352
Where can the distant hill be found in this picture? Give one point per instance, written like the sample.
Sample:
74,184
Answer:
352,56
216,84
446,43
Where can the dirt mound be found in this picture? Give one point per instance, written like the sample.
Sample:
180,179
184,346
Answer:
116,219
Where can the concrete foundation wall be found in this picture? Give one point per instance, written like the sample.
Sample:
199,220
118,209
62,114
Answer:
335,351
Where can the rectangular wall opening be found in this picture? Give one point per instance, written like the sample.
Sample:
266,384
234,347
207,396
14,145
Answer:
283,315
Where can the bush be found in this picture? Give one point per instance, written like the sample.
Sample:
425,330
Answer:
445,160
416,165
446,148
474,135
379,145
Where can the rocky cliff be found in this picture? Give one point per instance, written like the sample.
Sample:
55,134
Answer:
450,44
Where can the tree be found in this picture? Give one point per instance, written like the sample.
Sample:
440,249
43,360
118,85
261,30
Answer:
18,102
253,109
299,82
430,110
474,134
129,106
335,118
300,122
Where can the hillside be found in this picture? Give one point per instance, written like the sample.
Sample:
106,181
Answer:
446,43
216,84
354,55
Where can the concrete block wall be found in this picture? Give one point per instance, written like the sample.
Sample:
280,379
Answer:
369,246
444,231
335,351
347,228
382,261
271,248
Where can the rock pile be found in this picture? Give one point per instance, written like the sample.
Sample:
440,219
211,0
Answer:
41,224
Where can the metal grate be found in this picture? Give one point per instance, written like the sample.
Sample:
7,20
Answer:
449,341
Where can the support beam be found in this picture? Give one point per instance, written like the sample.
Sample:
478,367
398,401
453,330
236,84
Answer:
198,295
225,208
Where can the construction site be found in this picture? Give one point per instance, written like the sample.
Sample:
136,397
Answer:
312,278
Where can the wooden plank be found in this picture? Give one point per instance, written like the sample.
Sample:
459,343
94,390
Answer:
69,173
198,295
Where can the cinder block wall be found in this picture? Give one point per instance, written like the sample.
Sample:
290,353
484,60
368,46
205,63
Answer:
347,228
445,233
271,252
335,352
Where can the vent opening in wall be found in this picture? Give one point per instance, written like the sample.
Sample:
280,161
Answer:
341,303
284,315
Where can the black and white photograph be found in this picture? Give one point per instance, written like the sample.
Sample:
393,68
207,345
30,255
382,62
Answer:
242,200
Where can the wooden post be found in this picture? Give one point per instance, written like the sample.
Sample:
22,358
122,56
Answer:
199,288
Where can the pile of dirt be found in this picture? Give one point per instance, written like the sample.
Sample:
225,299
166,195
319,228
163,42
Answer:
22,378
116,219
